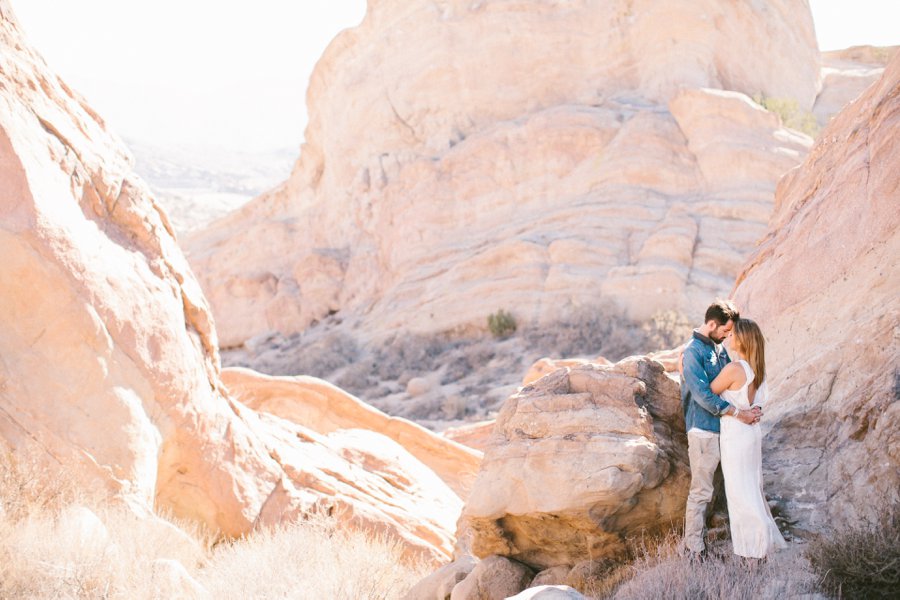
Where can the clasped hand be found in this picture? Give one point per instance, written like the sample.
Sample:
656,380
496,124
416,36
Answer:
749,417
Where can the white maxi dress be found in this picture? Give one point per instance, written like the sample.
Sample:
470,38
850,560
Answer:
753,530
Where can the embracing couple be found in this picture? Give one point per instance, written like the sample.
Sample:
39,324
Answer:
722,402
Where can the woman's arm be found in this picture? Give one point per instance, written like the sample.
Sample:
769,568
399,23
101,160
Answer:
730,377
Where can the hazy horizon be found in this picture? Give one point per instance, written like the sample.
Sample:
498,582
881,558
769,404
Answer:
209,74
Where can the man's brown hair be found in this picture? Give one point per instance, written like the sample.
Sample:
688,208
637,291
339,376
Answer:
721,311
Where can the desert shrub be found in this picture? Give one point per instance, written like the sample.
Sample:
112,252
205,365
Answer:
309,560
58,542
861,561
661,571
602,330
454,407
667,329
791,114
501,324
29,484
413,353
324,356
114,553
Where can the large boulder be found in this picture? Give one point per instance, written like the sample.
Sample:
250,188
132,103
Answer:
108,353
580,460
494,578
824,288
540,154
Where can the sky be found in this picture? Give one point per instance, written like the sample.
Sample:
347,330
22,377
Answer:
209,72
217,73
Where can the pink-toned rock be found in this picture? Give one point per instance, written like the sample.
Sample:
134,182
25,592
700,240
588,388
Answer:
547,365
473,435
364,479
579,460
669,359
846,74
543,175
325,408
109,352
823,287
110,365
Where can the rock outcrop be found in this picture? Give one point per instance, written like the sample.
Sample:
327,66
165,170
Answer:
108,353
326,408
846,74
824,288
544,155
579,460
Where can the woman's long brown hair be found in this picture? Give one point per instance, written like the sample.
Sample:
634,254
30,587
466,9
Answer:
753,346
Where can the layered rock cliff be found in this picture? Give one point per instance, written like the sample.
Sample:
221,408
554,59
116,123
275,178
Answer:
824,287
535,156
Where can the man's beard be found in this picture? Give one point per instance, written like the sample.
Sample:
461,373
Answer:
717,340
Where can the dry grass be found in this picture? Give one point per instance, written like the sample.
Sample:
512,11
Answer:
309,561
53,546
861,561
660,571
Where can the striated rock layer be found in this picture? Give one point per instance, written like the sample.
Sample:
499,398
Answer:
544,155
579,460
824,287
108,354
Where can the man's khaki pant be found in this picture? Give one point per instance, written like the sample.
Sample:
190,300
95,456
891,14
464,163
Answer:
703,452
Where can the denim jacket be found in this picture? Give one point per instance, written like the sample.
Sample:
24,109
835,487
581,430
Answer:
702,364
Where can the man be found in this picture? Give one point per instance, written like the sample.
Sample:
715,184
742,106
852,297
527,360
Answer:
702,360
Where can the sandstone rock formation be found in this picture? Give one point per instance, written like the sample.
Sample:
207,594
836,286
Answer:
846,74
439,585
824,288
543,155
108,353
325,408
493,578
474,435
580,459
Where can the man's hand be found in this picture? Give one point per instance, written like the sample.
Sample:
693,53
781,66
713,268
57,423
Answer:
749,416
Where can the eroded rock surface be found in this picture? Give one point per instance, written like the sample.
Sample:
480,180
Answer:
579,460
326,408
108,353
846,74
823,287
543,155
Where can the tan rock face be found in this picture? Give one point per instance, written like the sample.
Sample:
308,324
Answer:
538,154
474,435
580,459
108,353
823,287
325,408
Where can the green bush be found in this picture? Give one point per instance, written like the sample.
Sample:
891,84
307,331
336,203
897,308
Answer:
861,561
791,115
501,323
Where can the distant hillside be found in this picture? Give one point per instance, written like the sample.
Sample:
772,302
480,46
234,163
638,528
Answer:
197,185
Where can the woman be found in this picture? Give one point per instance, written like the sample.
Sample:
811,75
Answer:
743,384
